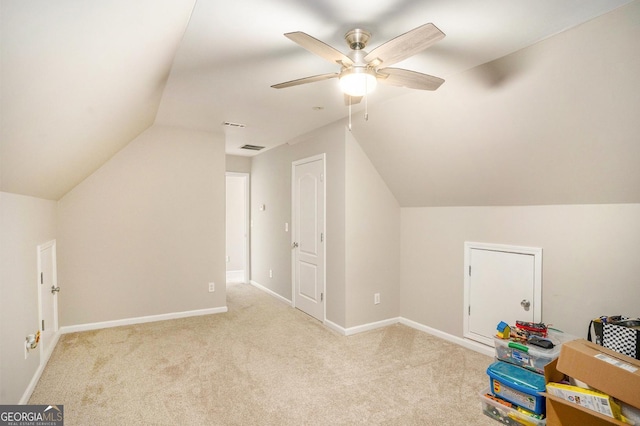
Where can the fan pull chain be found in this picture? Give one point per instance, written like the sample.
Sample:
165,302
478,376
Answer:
366,100
349,113
366,107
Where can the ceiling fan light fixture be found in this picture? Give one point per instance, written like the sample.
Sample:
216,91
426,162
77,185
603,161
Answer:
358,81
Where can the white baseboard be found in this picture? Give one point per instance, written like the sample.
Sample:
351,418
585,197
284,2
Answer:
360,328
474,346
270,292
370,326
469,344
335,327
43,363
140,320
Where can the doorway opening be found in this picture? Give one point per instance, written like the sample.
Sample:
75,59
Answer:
237,227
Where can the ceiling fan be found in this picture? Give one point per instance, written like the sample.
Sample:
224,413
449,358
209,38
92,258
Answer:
360,71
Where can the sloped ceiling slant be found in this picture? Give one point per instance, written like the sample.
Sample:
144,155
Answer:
80,80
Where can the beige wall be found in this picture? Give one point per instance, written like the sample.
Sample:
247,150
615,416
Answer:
270,244
372,234
145,233
236,163
555,123
590,265
25,223
363,221
235,223
550,134
271,186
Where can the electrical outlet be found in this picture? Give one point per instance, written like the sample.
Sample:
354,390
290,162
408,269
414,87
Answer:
228,259
376,298
212,287
270,273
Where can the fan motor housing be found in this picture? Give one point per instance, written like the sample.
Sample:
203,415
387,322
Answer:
357,38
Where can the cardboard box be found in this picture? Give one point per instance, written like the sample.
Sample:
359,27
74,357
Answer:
603,369
589,399
551,373
562,413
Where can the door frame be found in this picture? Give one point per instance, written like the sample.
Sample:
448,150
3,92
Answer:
247,219
536,252
295,163
44,357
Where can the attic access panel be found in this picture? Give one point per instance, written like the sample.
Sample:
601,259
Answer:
501,283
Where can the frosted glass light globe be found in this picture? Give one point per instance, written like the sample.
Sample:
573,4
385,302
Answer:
357,82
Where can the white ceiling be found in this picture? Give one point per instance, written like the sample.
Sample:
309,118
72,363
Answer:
82,79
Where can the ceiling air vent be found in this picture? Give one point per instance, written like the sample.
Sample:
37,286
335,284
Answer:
252,147
230,124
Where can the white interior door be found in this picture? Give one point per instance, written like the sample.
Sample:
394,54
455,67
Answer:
502,283
308,205
48,296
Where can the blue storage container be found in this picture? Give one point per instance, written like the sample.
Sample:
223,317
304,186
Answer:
517,385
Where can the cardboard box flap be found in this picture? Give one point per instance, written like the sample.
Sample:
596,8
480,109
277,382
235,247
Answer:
563,413
603,369
551,373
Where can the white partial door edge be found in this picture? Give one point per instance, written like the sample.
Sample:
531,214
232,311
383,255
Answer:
44,355
537,280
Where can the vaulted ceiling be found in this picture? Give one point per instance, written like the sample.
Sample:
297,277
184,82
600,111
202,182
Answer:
80,80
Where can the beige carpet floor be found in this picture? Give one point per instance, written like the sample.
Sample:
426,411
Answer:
262,363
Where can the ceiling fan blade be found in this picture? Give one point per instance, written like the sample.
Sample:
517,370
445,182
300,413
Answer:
319,48
411,79
351,100
405,45
305,80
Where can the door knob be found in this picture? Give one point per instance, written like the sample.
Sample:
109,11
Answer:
525,304
294,245
54,289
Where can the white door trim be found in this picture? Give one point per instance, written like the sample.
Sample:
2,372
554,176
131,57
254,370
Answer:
247,219
295,163
536,252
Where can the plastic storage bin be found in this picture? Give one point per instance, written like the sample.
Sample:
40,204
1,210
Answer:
517,385
528,356
507,415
